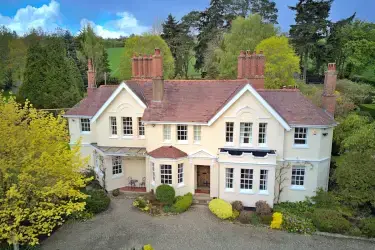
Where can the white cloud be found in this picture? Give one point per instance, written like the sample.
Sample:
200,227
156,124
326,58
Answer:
126,25
45,17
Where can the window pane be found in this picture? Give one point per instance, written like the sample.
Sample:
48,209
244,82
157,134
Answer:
166,174
246,181
113,125
182,132
85,125
229,178
263,179
298,175
262,133
167,132
116,165
127,124
246,132
300,135
197,133
229,131
153,171
180,174
141,127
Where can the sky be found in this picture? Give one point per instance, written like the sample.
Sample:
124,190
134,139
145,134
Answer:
114,18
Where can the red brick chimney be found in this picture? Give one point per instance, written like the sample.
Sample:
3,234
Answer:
251,66
329,98
91,81
150,67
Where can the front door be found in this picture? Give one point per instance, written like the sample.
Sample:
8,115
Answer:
203,176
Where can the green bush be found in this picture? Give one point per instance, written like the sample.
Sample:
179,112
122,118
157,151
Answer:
220,208
255,219
266,219
235,214
237,205
97,201
262,208
296,224
165,194
245,217
367,227
331,221
182,203
300,208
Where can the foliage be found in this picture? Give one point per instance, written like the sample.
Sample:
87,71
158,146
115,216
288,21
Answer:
40,180
367,227
148,247
146,44
220,208
165,194
324,199
262,208
142,204
237,205
114,58
167,209
266,219
245,217
116,192
281,62
182,203
358,93
277,220
370,108
355,176
97,201
327,220
296,224
300,208
235,214
52,80
266,9
245,34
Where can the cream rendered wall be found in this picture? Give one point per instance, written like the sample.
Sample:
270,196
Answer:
248,199
124,105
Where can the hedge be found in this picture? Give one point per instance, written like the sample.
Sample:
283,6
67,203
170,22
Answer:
98,201
182,203
327,220
165,194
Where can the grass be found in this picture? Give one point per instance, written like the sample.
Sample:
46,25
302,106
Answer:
114,58
369,108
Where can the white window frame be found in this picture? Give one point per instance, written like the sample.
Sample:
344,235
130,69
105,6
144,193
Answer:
84,125
229,179
113,126
197,134
246,180
153,174
229,133
166,177
167,135
180,174
182,132
141,128
298,180
263,181
249,125
127,125
300,133
262,133
117,168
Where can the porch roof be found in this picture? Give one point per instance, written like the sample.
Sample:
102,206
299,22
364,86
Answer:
120,151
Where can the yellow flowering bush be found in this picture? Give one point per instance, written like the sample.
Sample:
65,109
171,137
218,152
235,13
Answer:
148,247
221,208
277,220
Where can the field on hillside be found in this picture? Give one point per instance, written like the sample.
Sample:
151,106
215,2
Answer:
114,57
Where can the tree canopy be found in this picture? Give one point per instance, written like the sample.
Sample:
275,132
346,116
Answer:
146,44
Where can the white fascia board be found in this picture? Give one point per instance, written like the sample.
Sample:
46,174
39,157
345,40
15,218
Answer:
77,116
208,154
113,96
259,98
176,123
312,126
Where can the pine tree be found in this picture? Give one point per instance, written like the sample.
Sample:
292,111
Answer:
266,9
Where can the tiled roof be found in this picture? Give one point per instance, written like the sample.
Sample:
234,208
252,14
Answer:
121,151
200,100
167,152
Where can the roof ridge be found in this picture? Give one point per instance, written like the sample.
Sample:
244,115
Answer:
278,90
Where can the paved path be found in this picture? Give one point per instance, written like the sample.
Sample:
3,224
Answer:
122,227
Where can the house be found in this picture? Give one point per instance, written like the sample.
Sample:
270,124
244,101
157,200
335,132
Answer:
229,138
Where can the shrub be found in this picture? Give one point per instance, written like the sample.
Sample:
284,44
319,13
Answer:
367,227
167,209
235,214
327,220
140,202
97,201
255,219
237,205
245,217
277,220
262,208
220,208
355,231
182,203
165,194
116,192
296,224
266,219
148,247
300,208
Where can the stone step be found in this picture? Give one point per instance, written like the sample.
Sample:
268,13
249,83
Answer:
202,199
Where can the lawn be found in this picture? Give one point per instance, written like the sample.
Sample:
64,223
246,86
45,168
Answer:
114,57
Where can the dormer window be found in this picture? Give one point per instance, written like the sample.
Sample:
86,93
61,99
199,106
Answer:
300,136
85,125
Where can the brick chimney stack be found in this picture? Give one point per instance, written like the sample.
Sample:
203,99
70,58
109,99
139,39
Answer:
251,66
91,81
329,98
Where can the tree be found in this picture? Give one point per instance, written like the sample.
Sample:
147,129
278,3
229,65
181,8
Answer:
40,180
52,80
17,59
311,26
6,36
266,9
281,62
245,34
146,44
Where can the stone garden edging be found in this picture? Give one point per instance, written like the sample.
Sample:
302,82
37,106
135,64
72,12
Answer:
344,236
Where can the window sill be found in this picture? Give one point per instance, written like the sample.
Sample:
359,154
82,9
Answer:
141,137
264,192
85,132
180,185
300,146
244,191
127,137
246,145
299,188
113,137
197,143
262,145
229,190
182,142
167,141
229,144
116,176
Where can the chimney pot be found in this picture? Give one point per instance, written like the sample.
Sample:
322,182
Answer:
157,51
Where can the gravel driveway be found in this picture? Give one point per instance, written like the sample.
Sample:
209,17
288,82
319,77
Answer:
122,227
